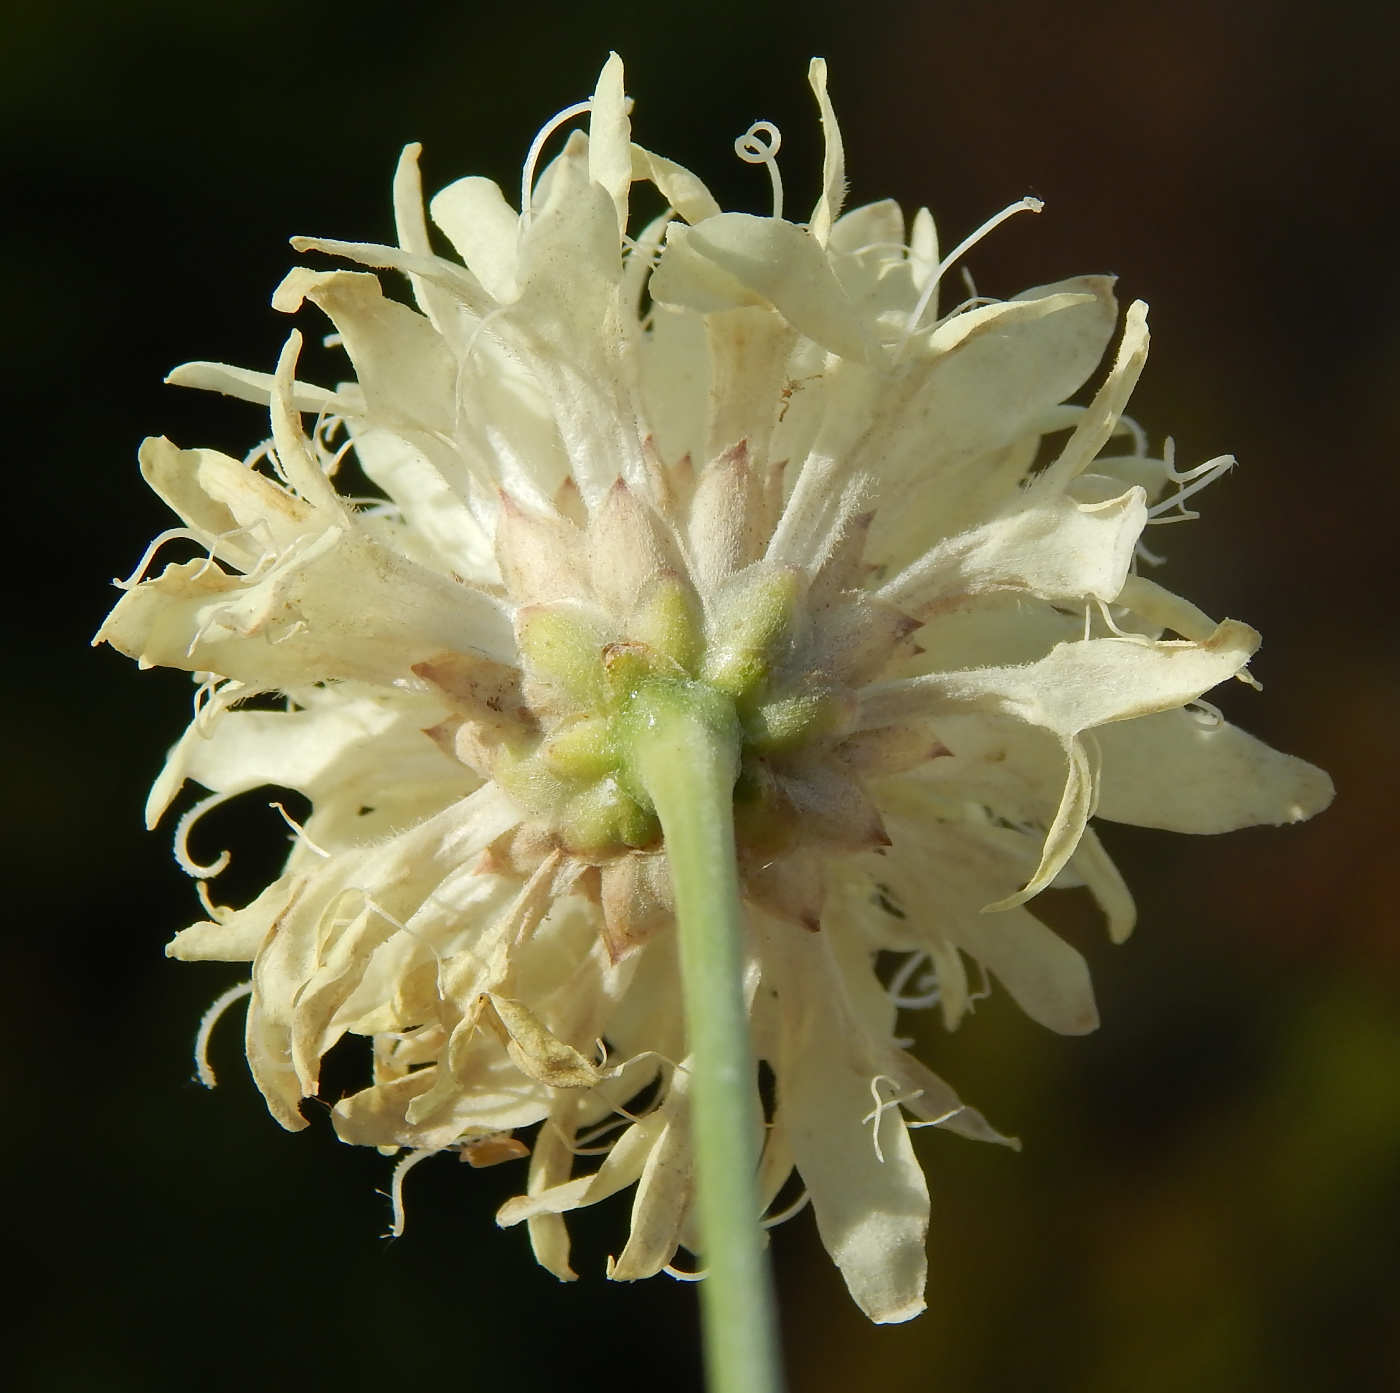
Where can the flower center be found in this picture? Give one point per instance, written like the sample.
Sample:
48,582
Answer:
741,664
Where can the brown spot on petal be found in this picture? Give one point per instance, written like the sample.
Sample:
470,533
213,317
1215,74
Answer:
875,754
636,901
492,1150
835,809
519,852
792,888
478,688
568,502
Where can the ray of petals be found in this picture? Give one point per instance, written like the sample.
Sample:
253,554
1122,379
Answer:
1076,687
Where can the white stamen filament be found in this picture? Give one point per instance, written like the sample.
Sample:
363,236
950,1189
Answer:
405,1165
1194,480
185,826
527,176
760,145
169,535
1211,717
791,1212
300,833
926,986
680,1276
1027,204
203,1070
881,1107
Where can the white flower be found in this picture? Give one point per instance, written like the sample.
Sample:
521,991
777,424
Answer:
751,454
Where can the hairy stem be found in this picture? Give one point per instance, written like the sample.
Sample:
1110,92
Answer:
685,752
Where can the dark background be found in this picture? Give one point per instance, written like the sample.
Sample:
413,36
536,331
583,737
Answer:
1210,1191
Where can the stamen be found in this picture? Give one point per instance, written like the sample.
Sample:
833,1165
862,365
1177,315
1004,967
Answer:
375,907
982,967
926,986
1206,714
791,1212
169,535
1027,204
300,833
680,1276
217,913
760,145
182,832
882,1106
203,1070
1193,479
940,1120
1124,634
527,176
396,1189
1126,423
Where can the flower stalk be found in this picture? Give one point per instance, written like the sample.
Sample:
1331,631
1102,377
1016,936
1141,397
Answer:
684,741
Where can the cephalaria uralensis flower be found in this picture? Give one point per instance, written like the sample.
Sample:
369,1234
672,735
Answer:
741,452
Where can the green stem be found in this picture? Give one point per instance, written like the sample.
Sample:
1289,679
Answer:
685,753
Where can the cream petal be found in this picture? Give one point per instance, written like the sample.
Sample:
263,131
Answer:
789,269
303,750
498,1099
484,231
412,229
1186,773
684,191
256,387
610,138
1058,550
623,1167
748,365
1094,866
983,379
943,892
1048,979
243,513
872,1214
567,320
664,1191
1101,419
433,511
1077,686
551,1160
436,270
404,366
833,193
339,607
236,938
686,278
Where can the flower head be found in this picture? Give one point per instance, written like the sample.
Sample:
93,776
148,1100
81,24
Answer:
747,455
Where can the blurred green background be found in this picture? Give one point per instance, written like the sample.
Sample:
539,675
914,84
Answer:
1209,1197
